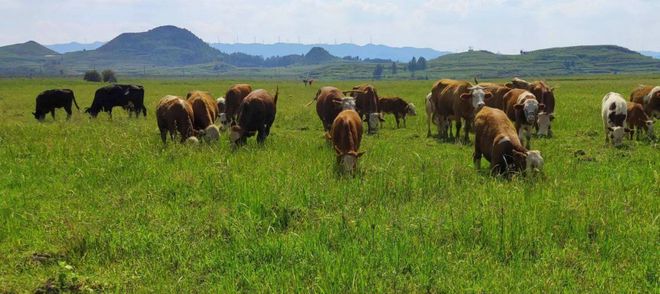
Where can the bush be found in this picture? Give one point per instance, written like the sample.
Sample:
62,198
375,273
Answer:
92,76
109,76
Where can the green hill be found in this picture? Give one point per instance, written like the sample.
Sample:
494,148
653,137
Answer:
26,59
27,49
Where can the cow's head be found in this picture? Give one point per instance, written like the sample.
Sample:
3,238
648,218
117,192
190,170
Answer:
543,123
222,104
411,110
534,161
39,116
648,125
192,140
348,161
211,133
530,109
476,97
616,134
91,112
236,136
346,103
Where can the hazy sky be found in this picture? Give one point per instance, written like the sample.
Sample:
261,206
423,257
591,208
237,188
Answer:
497,25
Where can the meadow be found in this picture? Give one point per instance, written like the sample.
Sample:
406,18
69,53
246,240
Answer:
103,205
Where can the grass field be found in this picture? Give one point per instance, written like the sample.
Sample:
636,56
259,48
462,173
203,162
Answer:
102,205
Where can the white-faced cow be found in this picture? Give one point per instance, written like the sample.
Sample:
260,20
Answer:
523,109
346,135
460,101
614,112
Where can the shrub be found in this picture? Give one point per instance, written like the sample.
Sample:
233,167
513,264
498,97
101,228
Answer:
92,76
109,76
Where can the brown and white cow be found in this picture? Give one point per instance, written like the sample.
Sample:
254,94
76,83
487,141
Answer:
255,115
397,106
638,119
430,111
522,108
176,114
330,101
346,135
649,97
497,140
457,100
233,98
498,91
545,95
205,111
222,112
614,111
366,103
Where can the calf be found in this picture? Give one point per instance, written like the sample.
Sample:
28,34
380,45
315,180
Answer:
457,100
637,119
523,109
174,113
205,111
366,103
497,140
256,114
649,97
397,106
233,98
614,112
48,100
346,135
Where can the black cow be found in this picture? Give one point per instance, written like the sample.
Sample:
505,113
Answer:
129,97
48,100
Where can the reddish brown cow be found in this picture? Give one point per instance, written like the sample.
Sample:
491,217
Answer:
205,111
545,95
366,103
638,119
458,100
346,135
649,98
174,113
497,140
498,91
522,108
397,106
255,115
330,101
233,98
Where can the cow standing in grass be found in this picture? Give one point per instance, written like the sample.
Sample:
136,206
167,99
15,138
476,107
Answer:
233,98
330,101
176,114
614,111
637,120
397,106
366,102
457,100
522,108
205,111
48,100
255,116
545,95
346,136
649,98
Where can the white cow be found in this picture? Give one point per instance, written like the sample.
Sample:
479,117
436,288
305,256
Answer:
614,111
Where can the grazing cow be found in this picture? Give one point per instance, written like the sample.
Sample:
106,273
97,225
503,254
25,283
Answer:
233,98
545,95
497,140
256,114
222,109
174,113
346,135
457,100
397,106
649,97
205,111
330,101
308,82
366,103
523,109
48,100
105,98
614,111
638,119
134,94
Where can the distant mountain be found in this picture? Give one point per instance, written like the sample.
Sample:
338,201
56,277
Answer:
74,46
403,54
27,49
576,60
653,54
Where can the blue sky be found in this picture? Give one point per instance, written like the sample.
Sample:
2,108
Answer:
504,26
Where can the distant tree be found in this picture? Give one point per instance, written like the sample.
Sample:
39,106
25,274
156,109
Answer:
92,76
421,63
412,65
394,68
378,72
109,76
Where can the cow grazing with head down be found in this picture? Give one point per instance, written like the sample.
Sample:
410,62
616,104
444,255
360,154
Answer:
134,94
175,114
48,100
614,111
457,100
205,111
222,115
638,119
233,98
255,115
545,95
366,103
397,106
649,97
105,98
330,101
346,135
497,140
523,109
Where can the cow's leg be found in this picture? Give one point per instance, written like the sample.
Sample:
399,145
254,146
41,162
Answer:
52,113
429,118
262,134
171,127
467,130
459,124
68,112
476,156
404,120
396,117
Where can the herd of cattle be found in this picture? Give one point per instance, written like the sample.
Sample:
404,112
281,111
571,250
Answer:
500,115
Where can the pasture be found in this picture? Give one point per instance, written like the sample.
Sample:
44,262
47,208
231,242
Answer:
101,204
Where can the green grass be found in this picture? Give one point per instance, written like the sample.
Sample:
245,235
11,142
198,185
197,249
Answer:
117,211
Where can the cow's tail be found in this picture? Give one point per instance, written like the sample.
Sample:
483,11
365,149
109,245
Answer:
144,110
476,82
74,101
277,93
314,99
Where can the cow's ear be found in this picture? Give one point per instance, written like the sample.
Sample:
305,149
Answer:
328,136
627,130
466,96
518,107
541,107
610,129
337,149
488,95
360,153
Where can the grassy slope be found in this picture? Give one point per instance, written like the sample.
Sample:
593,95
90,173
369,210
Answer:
107,198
